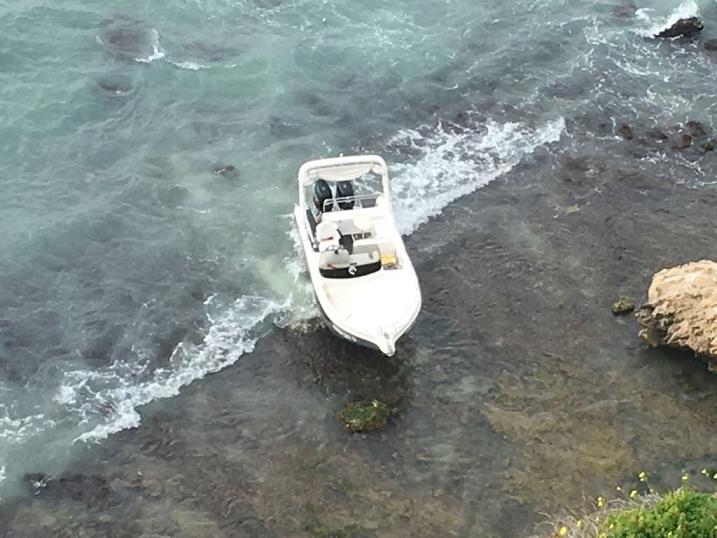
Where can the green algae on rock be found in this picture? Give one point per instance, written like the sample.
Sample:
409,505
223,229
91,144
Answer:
624,305
364,416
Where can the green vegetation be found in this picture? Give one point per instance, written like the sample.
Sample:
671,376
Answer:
364,416
683,513
624,305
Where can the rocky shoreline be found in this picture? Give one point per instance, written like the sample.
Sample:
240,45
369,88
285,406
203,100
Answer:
517,394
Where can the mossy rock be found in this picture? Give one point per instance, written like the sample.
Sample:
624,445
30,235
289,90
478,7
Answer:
624,305
364,416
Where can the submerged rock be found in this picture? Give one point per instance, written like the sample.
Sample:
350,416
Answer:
683,28
682,310
364,416
127,38
118,86
625,131
711,45
657,135
624,11
226,170
682,142
624,305
695,129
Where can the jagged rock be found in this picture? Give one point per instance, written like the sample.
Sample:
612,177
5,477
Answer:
625,131
624,305
364,416
683,28
682,310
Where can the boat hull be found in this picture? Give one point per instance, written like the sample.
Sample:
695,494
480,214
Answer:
374,309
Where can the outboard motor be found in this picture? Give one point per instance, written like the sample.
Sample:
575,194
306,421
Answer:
322,192
345,189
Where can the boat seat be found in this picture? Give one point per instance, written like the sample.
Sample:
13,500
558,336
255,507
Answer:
327,232
334,258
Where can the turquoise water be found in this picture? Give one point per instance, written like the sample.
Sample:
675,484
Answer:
130,268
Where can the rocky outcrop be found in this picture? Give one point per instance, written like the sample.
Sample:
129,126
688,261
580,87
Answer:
689,27
692,138
682,310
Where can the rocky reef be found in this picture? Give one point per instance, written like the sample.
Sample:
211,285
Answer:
688,27
682,310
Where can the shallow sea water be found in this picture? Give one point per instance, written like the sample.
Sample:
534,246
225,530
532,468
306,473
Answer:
129,269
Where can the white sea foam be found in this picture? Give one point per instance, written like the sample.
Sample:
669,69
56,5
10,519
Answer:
157,51
16,430
452,165
190,66
683,11
233,332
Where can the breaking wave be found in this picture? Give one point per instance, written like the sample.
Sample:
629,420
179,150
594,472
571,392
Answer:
157,51
452,165
653,27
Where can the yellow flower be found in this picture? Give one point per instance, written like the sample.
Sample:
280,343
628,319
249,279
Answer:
579,523
704,472
715,476
633,494
563,531
600,502
685,477
618,488
642,476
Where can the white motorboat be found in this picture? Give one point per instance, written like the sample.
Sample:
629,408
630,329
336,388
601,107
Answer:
364,281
